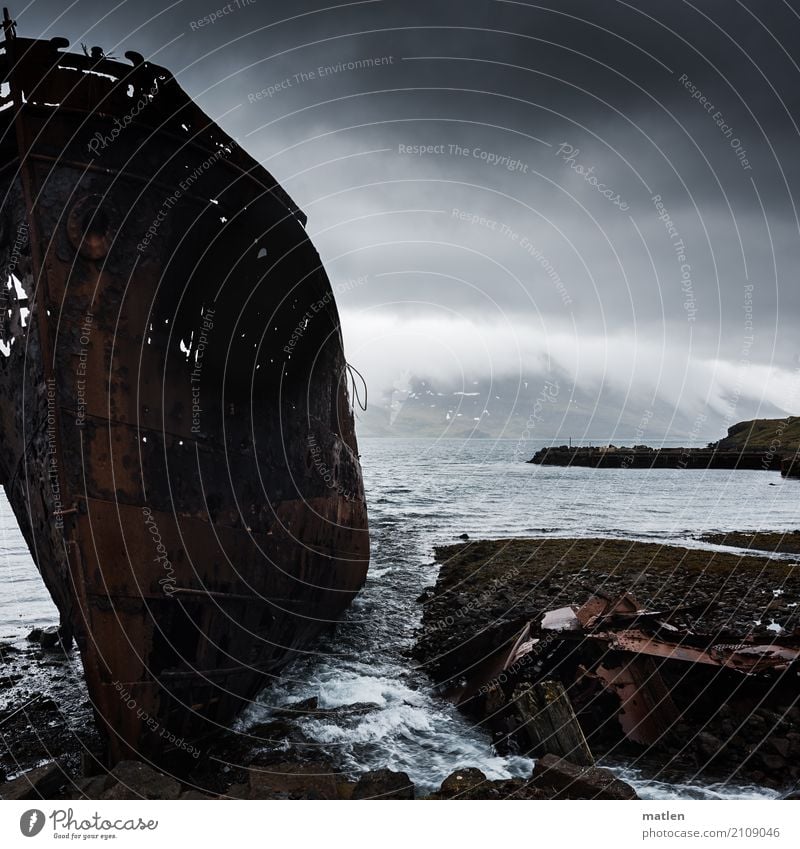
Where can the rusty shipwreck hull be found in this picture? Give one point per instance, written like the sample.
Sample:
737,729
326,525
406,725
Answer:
176,437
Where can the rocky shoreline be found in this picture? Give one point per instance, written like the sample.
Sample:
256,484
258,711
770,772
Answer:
50,749
758,444
45,713
788,543
644,457
726,725
552,778
44,759
486,591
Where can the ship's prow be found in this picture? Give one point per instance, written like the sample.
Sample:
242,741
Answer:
176,437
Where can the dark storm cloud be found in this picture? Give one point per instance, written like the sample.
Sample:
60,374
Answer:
695,103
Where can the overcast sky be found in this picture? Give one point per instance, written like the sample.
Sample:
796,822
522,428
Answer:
527,240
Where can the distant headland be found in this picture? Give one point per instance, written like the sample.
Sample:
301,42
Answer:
766,444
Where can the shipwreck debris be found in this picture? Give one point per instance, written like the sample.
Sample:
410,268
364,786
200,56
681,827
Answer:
578,670
549,722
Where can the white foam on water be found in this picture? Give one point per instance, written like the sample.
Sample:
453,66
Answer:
397,726
421,741
656,790
364,688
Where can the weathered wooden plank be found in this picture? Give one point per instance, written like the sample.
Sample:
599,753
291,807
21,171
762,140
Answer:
549,722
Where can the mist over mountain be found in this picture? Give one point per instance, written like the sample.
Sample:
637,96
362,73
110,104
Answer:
529,411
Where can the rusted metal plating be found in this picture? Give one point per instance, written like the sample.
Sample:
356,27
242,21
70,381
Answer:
619,643
181,460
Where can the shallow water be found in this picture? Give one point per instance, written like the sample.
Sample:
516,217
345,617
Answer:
24,601
425,492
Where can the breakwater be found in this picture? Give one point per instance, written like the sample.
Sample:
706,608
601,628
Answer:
643,457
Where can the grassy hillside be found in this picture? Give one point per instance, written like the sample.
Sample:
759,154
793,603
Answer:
783,435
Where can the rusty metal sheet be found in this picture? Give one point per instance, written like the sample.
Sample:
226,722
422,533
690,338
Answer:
746,658
646,707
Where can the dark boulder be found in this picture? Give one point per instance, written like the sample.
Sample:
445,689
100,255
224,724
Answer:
472,784
194,794
88,788
49,638
569,781
276,731
383,784
463,783
40,783
298,709
309,708
135,780
288,781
